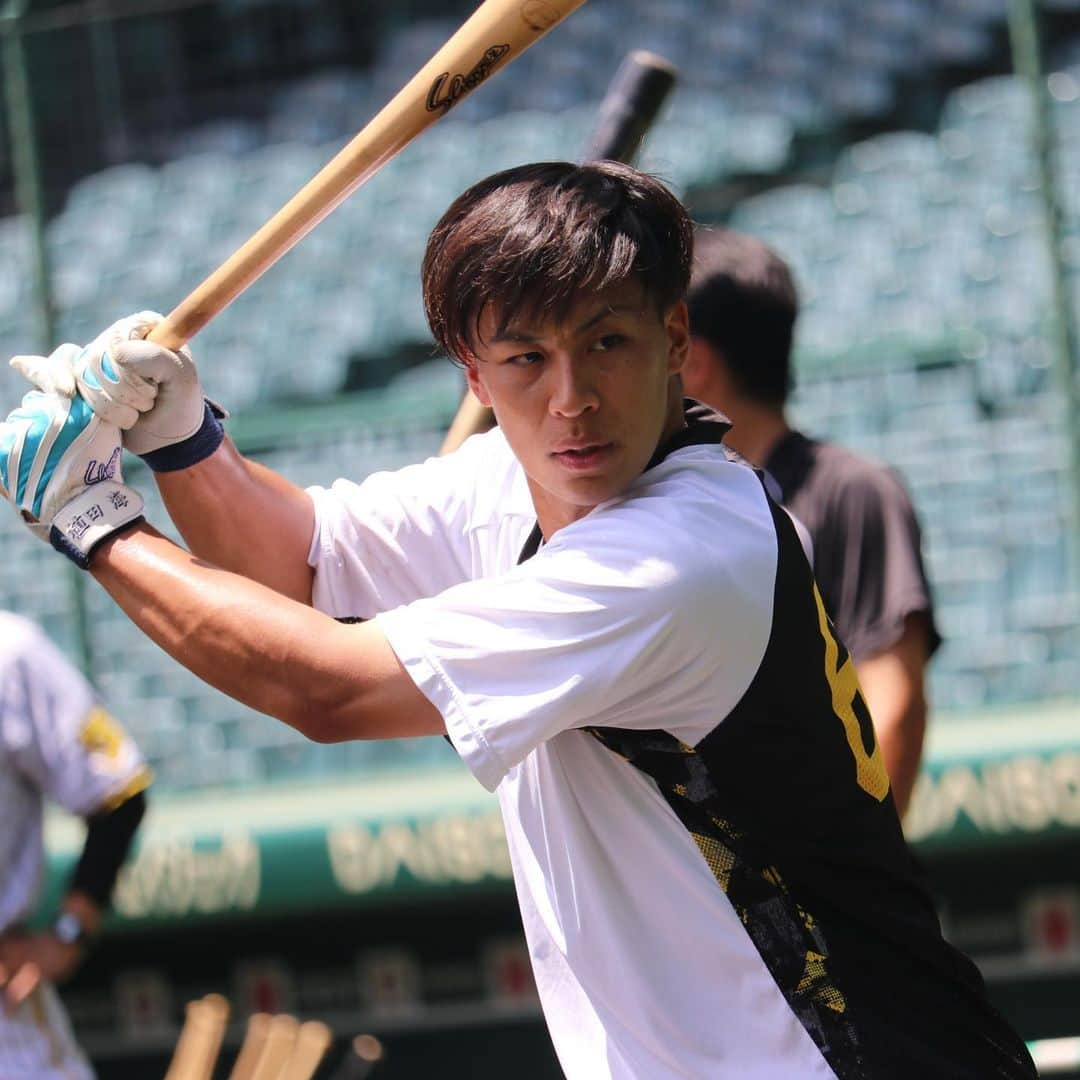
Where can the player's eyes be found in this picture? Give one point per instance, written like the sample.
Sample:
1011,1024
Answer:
527,359
608,342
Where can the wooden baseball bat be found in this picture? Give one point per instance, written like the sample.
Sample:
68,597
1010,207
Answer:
281,1035
628,110
258,1027
494,34
200,1039
312,1041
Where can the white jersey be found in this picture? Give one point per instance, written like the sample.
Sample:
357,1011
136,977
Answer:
643,966
56,743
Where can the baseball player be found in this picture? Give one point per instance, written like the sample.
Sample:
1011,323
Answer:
56,743
599,605
864,534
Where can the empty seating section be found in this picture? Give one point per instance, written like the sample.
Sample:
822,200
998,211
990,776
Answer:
752,75
992,494
921,262
926,285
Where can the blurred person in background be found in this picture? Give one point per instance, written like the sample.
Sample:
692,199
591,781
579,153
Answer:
865,538
58,743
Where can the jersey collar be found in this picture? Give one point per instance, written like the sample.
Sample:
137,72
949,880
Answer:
704,425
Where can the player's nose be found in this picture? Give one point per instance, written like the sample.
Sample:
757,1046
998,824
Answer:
571,389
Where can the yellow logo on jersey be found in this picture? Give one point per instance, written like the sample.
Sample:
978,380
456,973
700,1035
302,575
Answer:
101,734
869,768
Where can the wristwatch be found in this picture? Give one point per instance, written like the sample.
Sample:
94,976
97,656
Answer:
69,930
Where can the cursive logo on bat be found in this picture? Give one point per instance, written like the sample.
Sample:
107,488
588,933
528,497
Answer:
446,89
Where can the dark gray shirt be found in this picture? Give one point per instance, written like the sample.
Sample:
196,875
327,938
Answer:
867,543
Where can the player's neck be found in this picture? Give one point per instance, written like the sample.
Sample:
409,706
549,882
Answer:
755,430
553,512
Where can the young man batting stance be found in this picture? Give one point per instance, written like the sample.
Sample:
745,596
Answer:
600,606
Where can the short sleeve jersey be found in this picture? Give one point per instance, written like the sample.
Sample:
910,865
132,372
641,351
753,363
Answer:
711,874
866,540
57,743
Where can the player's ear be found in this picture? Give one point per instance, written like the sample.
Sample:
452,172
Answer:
677,327
701,368
476,384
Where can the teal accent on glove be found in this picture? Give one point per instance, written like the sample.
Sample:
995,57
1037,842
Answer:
64,462
7,444
91,379
89,376
38,425
78,419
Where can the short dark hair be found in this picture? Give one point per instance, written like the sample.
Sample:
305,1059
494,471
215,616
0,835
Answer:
743,301
531,238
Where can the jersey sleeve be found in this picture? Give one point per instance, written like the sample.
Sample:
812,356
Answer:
595,630
877,578
59,735
398,536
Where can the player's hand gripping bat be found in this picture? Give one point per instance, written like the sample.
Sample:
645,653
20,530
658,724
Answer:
494,34
627,112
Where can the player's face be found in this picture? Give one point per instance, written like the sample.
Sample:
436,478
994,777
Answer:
584,401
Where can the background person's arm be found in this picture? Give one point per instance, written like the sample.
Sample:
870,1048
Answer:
892,683
868,561
28,958
64,743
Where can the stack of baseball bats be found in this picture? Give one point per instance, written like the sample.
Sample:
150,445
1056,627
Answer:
274,1048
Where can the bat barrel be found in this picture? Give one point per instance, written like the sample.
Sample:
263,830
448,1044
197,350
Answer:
497,32
630,106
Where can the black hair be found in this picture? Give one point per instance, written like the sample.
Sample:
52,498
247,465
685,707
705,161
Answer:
743,301
530,239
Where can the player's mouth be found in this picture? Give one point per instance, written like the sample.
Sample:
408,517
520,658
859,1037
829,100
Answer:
584,458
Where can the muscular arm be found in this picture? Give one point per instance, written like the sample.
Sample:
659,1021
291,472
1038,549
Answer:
330,681
892,682
243,517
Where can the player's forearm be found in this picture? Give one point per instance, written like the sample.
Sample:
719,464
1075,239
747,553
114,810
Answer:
329,681
243,517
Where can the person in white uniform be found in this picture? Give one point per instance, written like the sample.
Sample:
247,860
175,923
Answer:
57,743
600,606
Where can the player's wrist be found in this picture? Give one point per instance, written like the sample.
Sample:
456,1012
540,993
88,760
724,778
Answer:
95,514
72,931
194,448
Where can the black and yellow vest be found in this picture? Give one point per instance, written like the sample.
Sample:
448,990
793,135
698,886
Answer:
788,800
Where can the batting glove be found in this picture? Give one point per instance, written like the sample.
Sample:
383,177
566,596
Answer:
60,468
151,393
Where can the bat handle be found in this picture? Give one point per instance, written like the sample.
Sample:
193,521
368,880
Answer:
471,419
173,332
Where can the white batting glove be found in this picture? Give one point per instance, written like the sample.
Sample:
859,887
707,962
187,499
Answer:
60,468
152,393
